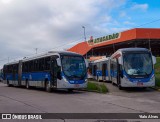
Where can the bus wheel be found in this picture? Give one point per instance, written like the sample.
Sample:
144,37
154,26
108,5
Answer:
112,82
98,79
144,88
9,85
48,87
70,90
27,85
120,87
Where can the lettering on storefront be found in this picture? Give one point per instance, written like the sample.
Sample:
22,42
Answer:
103,39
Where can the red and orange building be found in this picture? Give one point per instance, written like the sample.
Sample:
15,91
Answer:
107,45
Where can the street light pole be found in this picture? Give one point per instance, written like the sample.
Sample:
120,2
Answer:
8,59
84,36
84,32
149,42
36,50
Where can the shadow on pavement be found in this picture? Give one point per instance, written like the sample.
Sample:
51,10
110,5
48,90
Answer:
58,91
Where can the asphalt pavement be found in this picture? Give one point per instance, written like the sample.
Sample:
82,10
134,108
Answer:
21,100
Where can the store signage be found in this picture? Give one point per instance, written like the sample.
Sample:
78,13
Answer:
103,39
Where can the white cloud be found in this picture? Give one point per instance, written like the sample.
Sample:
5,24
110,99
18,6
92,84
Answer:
45,24
129,23
5,1
122,14
143,7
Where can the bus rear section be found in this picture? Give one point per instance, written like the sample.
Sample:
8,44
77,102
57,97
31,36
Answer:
100,69
133,67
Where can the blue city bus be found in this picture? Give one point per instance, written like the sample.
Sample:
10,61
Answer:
53,70
132,67
127,67
1,75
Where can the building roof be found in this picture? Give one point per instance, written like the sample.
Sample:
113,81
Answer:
81,48
136,33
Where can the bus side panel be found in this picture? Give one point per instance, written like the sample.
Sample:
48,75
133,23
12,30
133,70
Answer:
114,72
35,78
19,75
107,75
94,71
99,75
109,70
9,78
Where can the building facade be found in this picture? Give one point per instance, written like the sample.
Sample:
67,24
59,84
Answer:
105,46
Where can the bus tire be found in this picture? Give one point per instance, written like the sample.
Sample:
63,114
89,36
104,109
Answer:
48,87
70,90
98,78
120,87
9,85
144,88
112,83
27,84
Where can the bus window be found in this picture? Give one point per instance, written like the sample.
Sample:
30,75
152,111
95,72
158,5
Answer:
94,70
47,63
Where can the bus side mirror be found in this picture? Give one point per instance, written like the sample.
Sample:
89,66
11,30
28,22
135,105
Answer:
154,59
58,61
86,62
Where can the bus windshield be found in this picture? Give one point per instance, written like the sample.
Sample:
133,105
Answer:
74,67
138,64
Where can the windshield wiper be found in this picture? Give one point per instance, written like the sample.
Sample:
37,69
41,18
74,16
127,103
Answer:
74,76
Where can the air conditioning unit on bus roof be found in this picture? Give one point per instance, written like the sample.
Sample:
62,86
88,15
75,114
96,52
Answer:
52,51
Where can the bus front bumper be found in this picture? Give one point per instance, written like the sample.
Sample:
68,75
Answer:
137,84
67,85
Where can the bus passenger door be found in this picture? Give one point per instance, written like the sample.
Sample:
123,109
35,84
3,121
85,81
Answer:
14,73
94,71
19,72
118,74
53,70
104,68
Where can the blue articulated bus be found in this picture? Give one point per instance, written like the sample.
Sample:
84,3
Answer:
1,75
132,67
100,69
53,70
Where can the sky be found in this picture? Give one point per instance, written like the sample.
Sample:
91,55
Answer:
27,25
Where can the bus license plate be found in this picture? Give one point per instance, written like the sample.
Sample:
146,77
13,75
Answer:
139,84
76,85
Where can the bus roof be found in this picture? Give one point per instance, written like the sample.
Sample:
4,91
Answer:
119,52
50,53
133,49
103,59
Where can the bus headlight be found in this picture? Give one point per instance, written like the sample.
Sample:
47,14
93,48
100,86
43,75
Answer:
86,80
126,79
65,79
152,78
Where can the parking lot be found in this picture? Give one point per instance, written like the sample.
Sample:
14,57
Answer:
147,93
21,100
